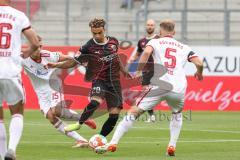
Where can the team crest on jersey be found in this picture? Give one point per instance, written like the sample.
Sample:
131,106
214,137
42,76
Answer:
114,47
42,71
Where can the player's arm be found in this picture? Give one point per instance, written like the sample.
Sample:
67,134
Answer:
134,57
199,65
69,63
144,58
137,54
63,57
34,43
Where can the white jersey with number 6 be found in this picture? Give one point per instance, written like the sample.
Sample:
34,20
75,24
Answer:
12,23
173,55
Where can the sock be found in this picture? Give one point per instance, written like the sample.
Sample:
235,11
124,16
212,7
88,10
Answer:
175,128
122,128
109,124
15,131
70,115
150,112
3,140
88,111
60,127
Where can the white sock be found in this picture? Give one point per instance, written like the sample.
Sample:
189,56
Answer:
70,115
3,140
60,127
122,128
175,128
15,131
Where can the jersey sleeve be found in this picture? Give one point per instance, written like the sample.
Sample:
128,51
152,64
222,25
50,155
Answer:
83,54
190,53
54,56
152,44
25,23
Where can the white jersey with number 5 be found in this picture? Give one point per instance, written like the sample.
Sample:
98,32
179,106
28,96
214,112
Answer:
12,23
173,55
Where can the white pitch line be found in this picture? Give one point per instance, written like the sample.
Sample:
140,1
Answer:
144,142
148,128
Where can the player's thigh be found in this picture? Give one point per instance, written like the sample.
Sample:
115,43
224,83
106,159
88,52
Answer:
148,99
12,91
113,96
98,91
48,99
175,101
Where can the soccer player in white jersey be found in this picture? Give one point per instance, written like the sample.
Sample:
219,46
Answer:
12,24
169,85
48,88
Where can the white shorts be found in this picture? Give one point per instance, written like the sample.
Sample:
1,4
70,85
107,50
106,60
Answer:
11,91
49,98
153,97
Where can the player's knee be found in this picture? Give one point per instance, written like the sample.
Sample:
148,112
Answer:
93,105
51,116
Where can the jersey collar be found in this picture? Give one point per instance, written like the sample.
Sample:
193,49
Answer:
101,43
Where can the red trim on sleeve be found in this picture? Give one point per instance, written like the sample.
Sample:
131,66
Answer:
26,28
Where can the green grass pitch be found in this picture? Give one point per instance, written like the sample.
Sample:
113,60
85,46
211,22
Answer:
204,136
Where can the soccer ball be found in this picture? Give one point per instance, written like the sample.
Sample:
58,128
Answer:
97,140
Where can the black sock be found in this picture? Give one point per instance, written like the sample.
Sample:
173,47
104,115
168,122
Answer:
88,111
109,124
150,112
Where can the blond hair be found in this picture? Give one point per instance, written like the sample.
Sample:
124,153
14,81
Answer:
167,25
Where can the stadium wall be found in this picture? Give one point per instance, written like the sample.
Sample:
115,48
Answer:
220,90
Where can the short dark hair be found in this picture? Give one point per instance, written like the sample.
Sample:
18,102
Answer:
97,23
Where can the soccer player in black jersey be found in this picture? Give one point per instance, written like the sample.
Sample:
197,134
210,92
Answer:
103,70
148,71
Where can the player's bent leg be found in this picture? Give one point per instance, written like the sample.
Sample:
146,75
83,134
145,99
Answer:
3,136
71,115
15,129
87,113
59,125
111,122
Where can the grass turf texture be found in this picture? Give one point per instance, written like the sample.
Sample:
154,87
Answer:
205,135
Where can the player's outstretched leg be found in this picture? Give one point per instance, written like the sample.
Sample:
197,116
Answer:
59,125
175,129
71,115
87,113
3,136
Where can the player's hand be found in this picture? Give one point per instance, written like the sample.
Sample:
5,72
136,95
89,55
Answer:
25,52
198,76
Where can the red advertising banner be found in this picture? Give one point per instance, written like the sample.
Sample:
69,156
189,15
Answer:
213,93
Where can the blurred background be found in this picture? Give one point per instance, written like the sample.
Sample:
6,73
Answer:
198,22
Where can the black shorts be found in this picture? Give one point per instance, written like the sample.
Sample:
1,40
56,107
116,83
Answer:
110,91
146,77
